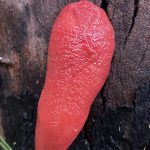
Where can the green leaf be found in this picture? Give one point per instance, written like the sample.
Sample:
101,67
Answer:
4,145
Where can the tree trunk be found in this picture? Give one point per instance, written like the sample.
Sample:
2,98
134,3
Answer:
120,116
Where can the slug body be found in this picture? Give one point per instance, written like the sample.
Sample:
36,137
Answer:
79,57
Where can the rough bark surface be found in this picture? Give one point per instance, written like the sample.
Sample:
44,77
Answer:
120,116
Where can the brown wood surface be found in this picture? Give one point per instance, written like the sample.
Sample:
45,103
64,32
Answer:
120,116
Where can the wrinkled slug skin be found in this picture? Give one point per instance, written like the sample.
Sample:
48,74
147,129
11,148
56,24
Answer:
79,57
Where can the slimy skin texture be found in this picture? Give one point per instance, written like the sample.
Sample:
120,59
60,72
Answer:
79,57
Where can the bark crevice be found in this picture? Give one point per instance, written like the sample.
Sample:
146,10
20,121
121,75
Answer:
135,12
104,5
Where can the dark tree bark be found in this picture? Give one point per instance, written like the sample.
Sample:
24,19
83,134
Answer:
120,116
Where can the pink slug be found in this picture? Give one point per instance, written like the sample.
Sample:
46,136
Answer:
80,51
